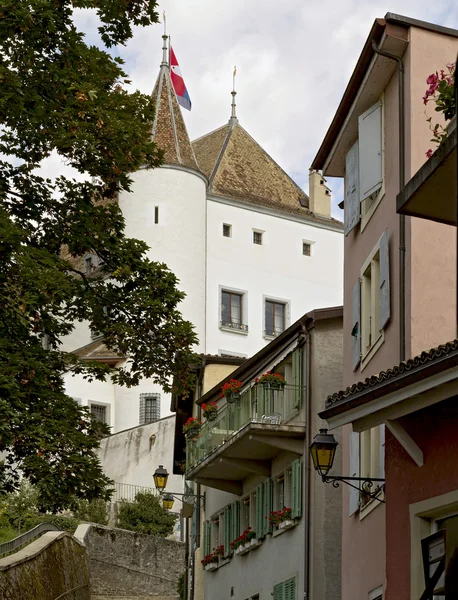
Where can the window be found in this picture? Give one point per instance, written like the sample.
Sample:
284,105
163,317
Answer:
150,408
233,311
371,304
306,248
99,412
275,318
227,230
367,459
156,215
257,238
364,167
286,590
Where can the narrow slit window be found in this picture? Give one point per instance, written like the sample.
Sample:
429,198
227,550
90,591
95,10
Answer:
306,249
257,238
227,230
156,215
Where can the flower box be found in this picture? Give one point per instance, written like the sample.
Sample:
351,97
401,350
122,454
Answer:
286,524
251,545
211,566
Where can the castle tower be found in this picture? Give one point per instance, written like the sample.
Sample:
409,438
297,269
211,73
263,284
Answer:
166,207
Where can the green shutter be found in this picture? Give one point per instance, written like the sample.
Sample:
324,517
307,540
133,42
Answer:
207,538
290,589
267,505
227,530
278,591
235,520
296,489
259,511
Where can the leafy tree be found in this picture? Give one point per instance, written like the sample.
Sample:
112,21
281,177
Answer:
94,511
20,505
146,515
58,94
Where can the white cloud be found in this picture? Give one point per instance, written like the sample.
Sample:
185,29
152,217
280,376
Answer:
293,61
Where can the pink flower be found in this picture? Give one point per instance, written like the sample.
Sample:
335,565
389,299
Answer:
429,153
432,79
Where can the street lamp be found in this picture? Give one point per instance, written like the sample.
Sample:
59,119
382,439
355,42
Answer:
160,478
167,501
323,450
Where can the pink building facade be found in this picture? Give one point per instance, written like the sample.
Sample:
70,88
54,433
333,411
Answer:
396,303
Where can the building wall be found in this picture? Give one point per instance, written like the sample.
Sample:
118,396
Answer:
430,285
277,269
179,238
132,456
325,500
433,429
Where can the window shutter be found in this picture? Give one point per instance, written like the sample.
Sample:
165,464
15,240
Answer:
278,591
259,511
297,367
354,472
235,520
352,204
207,538
267,505
356,325
381,474
290,589
296,489
227,530
370,151
384,281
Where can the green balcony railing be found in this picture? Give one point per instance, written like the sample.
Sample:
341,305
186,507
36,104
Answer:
258,404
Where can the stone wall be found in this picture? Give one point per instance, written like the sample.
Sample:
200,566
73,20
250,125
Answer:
131,564
45,569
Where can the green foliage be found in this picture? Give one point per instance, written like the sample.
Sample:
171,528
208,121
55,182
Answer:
146,515
94,511
59,95
62,522
180,586
7,534
19,506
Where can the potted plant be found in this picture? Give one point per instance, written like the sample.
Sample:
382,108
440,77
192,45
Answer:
245,542
191,428
441,91
281,519
231,390
271,380
210,411
210,561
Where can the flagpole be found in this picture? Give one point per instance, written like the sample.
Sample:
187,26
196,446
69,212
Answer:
164,45
234,93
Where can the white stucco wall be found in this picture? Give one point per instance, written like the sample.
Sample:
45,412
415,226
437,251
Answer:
178,239
277,269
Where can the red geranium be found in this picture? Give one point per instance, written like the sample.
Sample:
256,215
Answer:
231,387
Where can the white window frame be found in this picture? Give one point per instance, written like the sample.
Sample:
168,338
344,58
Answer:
370,307
372,453
92,403
244,294
287,305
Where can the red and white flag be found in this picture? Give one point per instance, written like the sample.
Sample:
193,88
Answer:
178,82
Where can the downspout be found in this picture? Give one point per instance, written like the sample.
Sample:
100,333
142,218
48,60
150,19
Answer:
306,487
402,223
198,488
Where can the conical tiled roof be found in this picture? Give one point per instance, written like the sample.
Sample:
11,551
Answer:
169,129
237,167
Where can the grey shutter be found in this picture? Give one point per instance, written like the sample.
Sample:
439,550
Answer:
227,530
370,151
354,472
278,591
384,281
267,506
259,511
352,203
296,489
290,589
356,324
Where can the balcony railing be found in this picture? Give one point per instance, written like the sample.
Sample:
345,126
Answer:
233,325
258,404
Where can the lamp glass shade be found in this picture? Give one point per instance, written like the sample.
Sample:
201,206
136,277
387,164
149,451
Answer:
323,450
160,478
167,502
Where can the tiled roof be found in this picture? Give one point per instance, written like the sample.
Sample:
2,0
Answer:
238,168
169,129
408,366
97,350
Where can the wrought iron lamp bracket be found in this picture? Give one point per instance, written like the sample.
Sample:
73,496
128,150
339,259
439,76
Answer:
185,497
365,487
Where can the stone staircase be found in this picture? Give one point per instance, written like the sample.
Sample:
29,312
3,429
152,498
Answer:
134,597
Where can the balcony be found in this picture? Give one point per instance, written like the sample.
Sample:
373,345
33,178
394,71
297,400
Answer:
246,436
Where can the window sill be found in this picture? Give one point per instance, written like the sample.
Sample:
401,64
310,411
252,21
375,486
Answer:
271,337
372,351
372,504
233,330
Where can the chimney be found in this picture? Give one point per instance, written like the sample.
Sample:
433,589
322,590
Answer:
319,194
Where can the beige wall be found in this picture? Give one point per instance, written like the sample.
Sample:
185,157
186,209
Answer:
430,286
214,373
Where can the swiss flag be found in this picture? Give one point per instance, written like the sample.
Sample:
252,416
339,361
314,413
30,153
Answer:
178,82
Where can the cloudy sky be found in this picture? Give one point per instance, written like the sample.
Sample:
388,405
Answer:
293,58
